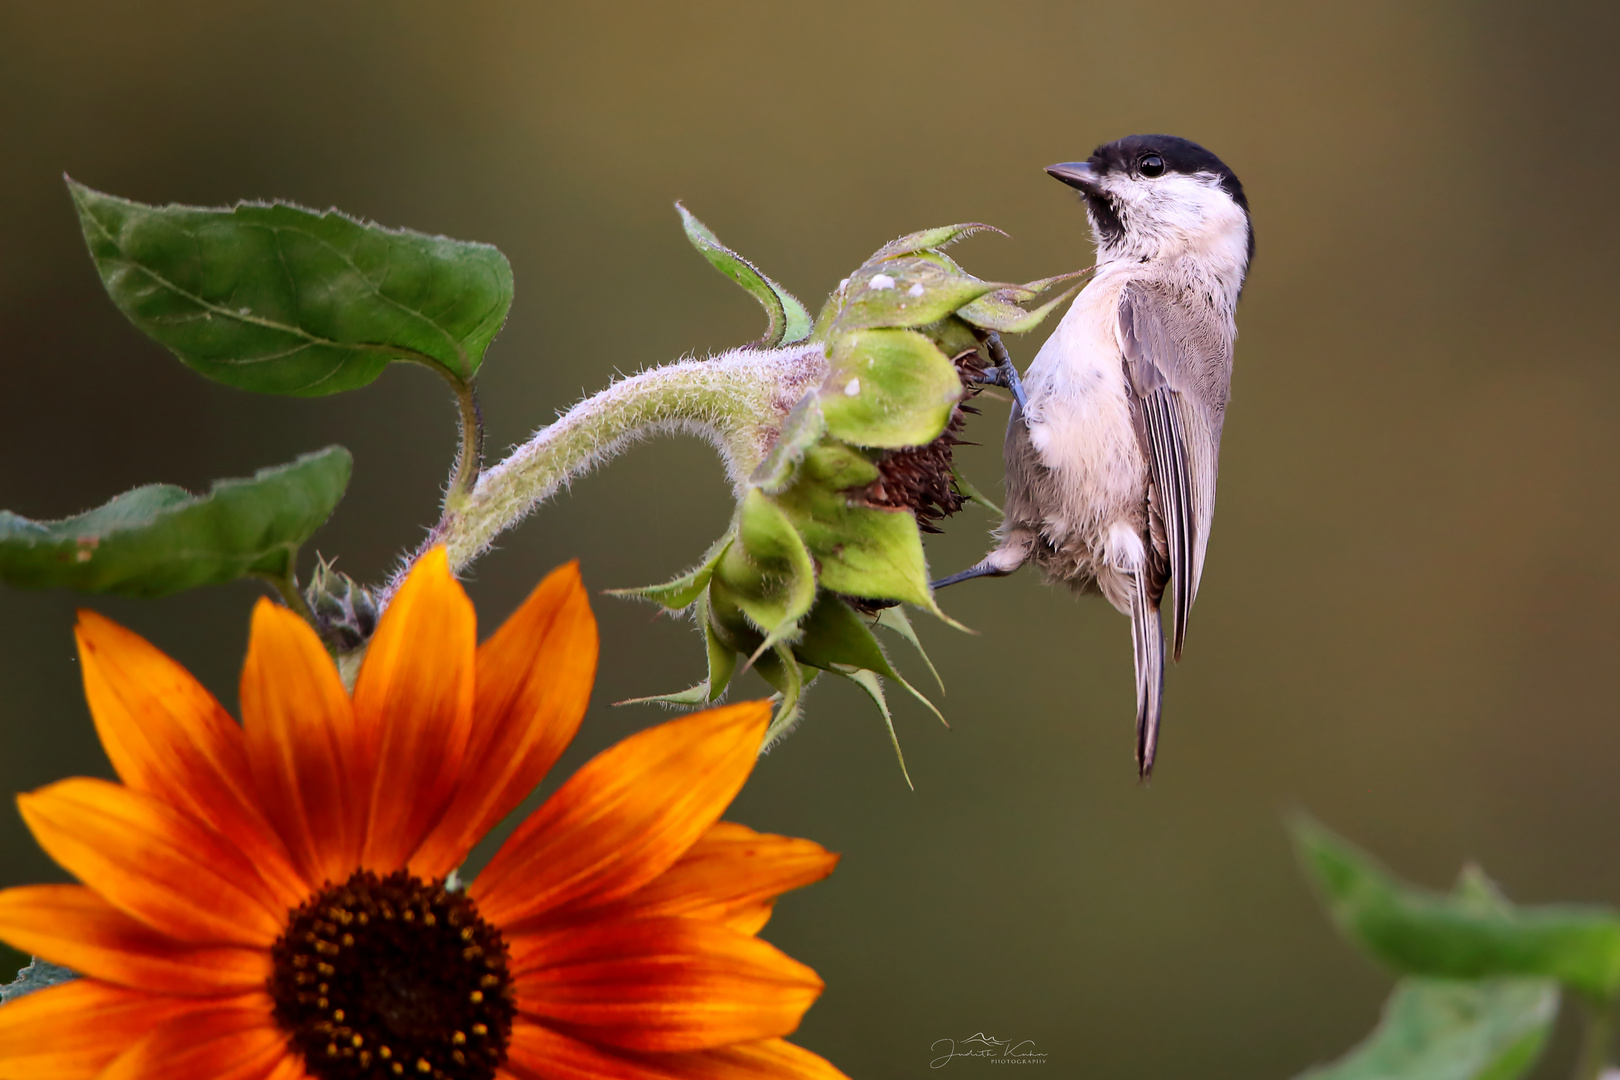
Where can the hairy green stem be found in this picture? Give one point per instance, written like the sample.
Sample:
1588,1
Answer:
1597,1036
735,401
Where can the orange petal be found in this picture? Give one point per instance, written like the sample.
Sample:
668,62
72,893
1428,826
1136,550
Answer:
72,926
71,1031
660,984
154,863
230,1040
538,1053
534,681
625,817
168,737
290,1068
732,875
413,702
303,745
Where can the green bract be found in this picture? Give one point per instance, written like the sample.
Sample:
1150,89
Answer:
159,539
827,537
282,300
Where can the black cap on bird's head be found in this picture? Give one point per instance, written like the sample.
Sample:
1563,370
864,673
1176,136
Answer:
1120,179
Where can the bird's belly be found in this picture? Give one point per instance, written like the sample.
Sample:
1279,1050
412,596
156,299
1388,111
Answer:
1082,432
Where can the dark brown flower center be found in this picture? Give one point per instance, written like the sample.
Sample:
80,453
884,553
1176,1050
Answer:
393,976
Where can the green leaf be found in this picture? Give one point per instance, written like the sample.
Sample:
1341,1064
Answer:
1418,932
159,539
909,291
972,493
868,681
783,672
861,550
895,619
801,430
282,300
683,591
692,695
943,236
787,320
1443,1029
768,570
835,638
996,312
722,659
888,388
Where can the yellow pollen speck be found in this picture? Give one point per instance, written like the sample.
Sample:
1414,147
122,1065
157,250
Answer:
398,1068
365,1059
362,918
384,1053
480,1030
348,941
430,919
489,980
321,1003
459,1037
331,1049
358,1040
459,1057
410,916
337,1014
326,969
467,934
476,997
422,1065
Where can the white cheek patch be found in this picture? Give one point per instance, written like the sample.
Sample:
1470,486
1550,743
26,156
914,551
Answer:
1179,213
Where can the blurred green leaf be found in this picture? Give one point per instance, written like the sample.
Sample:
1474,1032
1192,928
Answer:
1446,1029
1419,932
943,236
908,291
888,388
787,319
160,539
282,300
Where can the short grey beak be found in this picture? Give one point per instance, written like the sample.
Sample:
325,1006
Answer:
1077,174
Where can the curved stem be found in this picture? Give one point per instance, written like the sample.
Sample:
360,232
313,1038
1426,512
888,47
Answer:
736,401
287,586
470,457
1597,1036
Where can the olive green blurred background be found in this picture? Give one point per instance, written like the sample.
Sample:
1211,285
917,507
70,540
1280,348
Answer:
1407,624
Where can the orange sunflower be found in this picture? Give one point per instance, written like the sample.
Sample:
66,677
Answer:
268,900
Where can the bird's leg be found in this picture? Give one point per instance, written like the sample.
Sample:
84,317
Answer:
981,570
1006,374
999,563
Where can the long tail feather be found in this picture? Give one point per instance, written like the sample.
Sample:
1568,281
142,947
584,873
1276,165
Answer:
1147,635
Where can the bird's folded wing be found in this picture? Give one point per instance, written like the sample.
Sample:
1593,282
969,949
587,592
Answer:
1178,380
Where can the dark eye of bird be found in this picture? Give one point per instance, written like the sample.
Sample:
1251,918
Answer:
1151,165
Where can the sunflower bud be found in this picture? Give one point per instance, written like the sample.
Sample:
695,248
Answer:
345,611
826,542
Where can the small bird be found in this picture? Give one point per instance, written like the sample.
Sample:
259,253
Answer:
1115,432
